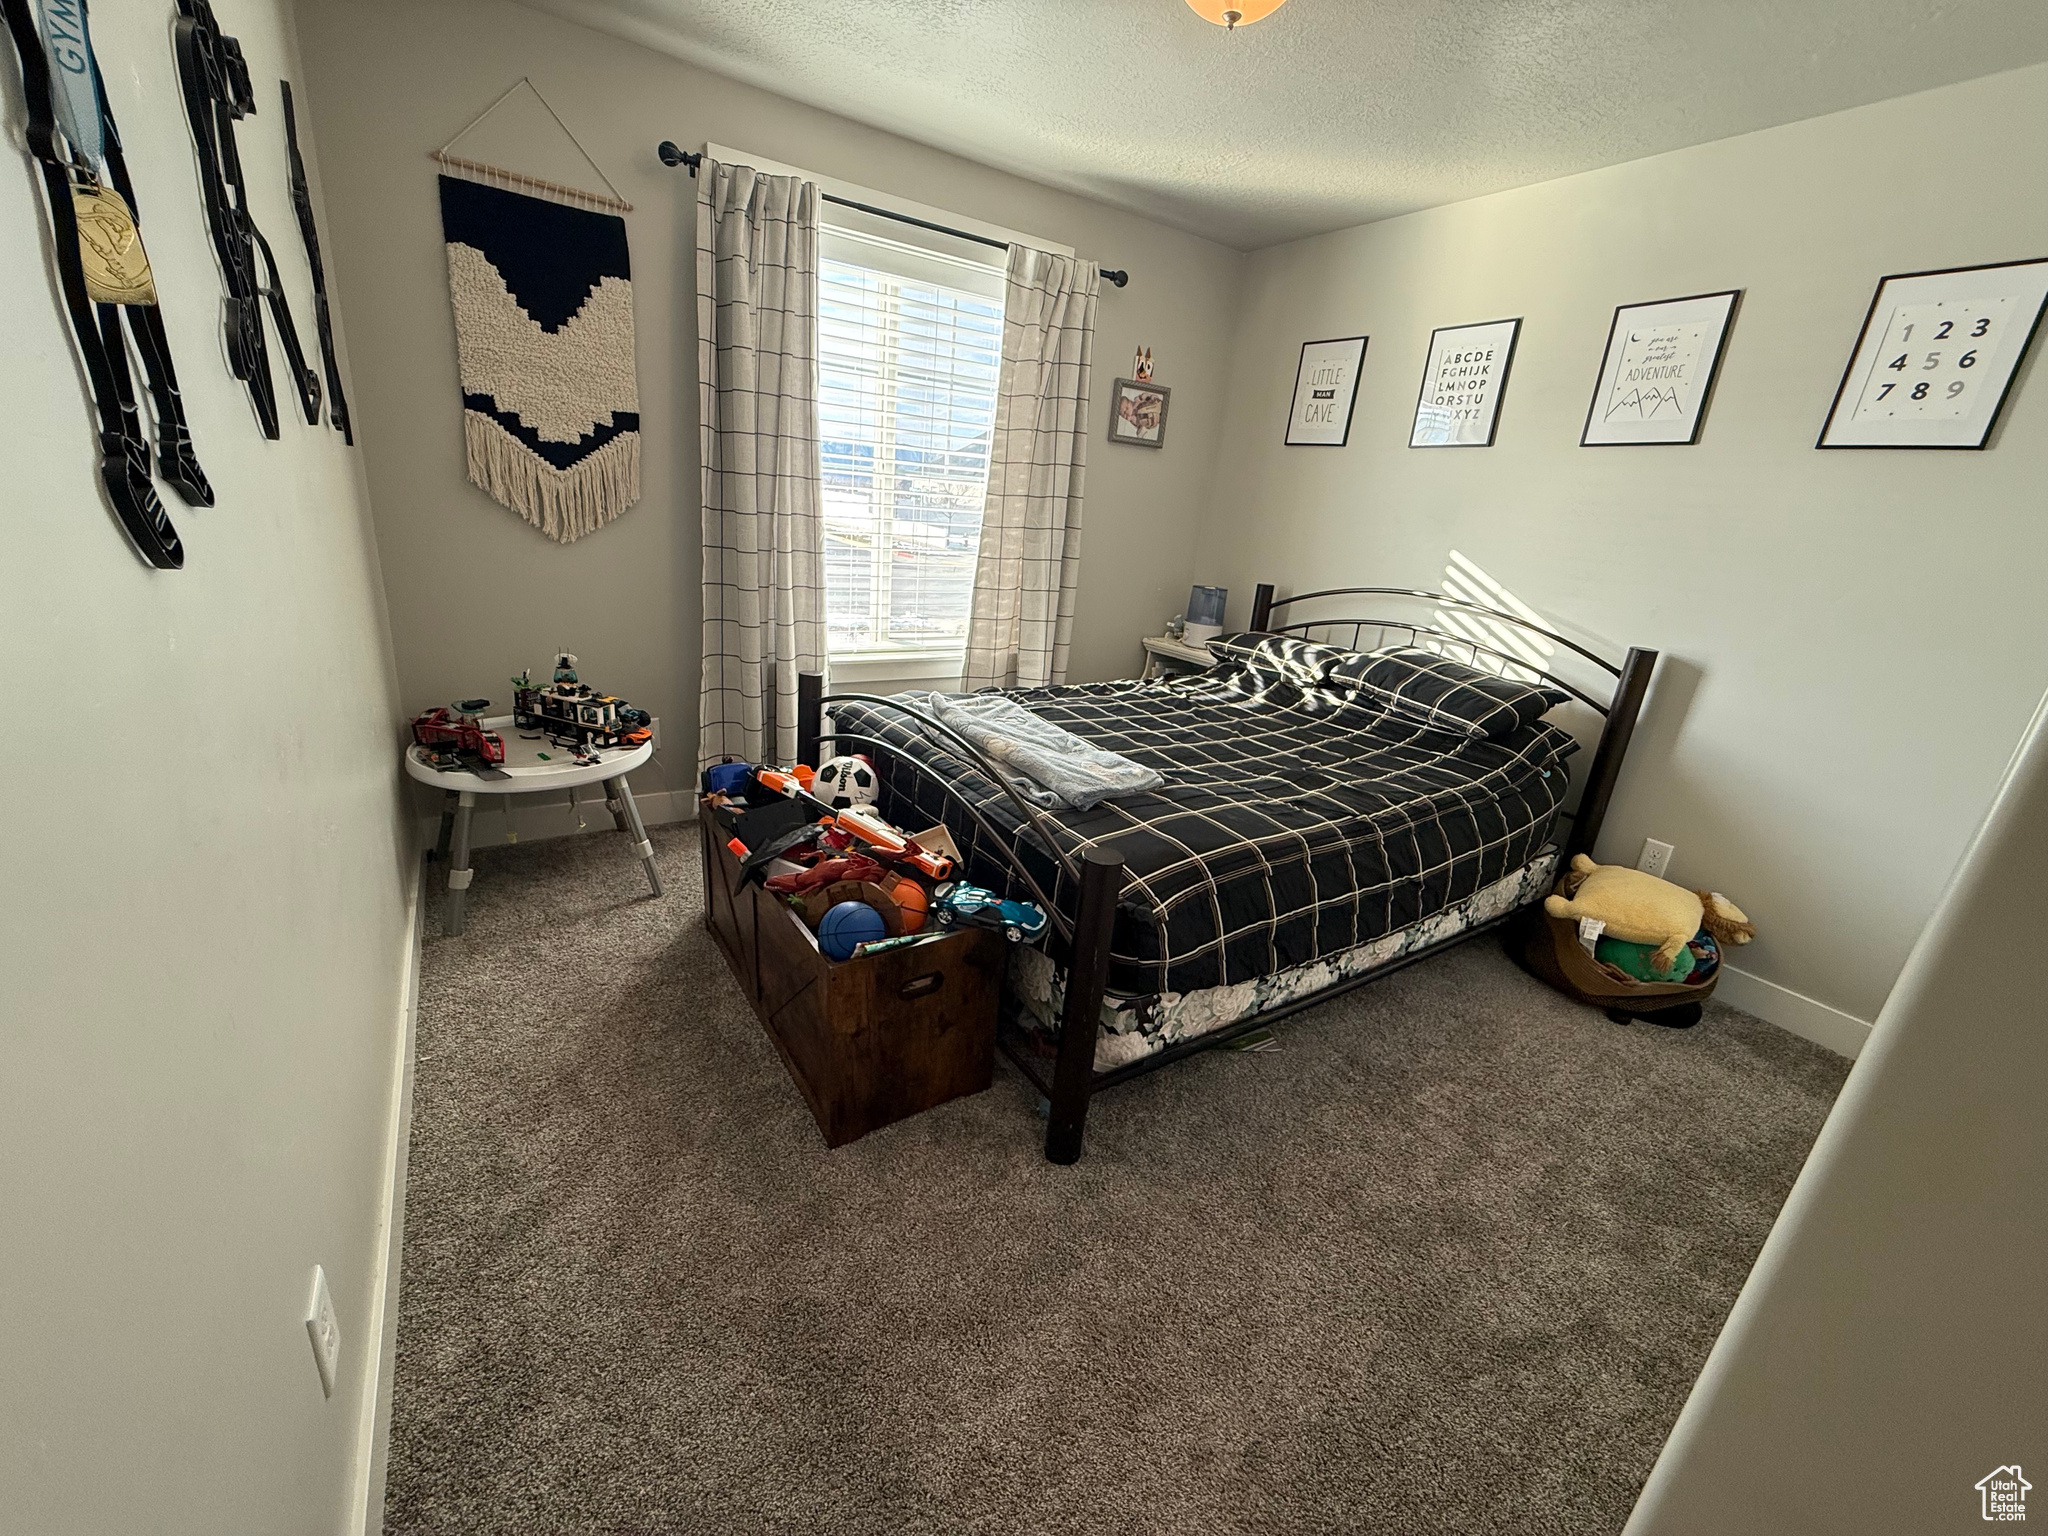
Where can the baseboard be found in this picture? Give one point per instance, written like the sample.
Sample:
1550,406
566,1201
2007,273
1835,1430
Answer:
1807,1017
373,1434
531,818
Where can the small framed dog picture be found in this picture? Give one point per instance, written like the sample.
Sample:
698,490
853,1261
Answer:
1137,413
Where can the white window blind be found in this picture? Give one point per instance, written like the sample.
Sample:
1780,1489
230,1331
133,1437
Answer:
909,347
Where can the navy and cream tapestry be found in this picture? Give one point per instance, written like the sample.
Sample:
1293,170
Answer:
543,297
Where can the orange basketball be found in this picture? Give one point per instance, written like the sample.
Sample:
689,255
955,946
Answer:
910,899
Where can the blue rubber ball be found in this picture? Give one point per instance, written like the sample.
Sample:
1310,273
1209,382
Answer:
847,924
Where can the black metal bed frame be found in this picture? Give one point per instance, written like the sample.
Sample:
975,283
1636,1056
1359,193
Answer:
1083,944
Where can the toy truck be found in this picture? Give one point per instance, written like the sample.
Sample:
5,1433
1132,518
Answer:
447,733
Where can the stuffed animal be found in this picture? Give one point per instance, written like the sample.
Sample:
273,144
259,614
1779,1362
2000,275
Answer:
1641,909
1639,961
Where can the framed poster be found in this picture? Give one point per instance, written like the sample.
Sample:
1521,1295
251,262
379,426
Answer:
1936,357
1463,379
1137,413
1325,389
1657,374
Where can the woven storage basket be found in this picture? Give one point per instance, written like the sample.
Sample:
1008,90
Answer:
1548,948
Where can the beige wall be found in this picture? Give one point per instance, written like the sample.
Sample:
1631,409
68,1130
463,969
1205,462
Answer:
475,593
1853,640
204,908
1891,1348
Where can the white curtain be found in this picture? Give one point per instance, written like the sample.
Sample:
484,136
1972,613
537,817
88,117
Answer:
757,371
1024,578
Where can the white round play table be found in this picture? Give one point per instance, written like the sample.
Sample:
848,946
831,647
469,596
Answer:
527,772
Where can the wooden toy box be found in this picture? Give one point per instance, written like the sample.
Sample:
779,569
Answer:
868,1041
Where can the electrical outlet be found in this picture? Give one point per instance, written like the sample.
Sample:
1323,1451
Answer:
324,1329
1656,857
654,725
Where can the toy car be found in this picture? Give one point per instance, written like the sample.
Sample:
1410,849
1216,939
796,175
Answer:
960,905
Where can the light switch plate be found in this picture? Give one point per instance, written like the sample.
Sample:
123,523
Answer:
324,1329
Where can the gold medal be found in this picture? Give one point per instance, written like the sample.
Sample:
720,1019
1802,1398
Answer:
110,248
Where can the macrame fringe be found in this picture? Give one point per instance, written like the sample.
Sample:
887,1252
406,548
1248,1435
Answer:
564,504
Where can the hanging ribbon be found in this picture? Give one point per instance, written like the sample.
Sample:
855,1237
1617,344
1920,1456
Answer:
102,273
67,43
214,77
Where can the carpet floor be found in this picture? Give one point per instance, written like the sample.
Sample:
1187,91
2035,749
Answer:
1447,1260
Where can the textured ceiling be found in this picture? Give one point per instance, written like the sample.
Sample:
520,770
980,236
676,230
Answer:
1330,112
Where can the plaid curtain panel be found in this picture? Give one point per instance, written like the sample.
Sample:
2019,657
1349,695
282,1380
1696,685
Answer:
1022,616
1295,822
764,541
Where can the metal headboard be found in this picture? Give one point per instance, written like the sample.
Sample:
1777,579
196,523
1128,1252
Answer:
1619,711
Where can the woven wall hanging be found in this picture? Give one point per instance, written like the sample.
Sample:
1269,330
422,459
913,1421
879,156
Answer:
543,297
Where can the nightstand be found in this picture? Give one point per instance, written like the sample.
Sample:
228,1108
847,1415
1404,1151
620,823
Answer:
1170,658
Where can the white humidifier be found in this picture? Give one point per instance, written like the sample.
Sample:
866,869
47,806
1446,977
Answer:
1205,614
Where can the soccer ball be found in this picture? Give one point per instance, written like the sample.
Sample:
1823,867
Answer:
845,781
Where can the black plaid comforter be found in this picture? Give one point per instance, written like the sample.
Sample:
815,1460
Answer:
1295,821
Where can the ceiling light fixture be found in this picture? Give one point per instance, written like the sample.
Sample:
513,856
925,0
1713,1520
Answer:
1232,14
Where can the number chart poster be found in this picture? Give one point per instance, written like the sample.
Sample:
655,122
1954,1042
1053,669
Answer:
1657,374
1325,389
1937,357
1462,383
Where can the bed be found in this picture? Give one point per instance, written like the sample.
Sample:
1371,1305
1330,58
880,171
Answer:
1308,837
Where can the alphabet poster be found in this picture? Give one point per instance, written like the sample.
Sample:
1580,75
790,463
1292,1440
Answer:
1325,388
1658,371
1937,357
1462,383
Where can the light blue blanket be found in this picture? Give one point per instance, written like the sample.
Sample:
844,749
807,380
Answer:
1049,766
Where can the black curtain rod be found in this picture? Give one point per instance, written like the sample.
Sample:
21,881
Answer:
671,154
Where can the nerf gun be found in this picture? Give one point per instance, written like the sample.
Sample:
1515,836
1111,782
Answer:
860,821
793,782
865,823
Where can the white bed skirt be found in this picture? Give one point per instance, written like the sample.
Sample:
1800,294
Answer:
1038,987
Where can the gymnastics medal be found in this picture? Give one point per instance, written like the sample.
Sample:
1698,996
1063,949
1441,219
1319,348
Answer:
110,248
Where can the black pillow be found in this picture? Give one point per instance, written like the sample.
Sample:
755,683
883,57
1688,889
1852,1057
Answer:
1290,658
1436,691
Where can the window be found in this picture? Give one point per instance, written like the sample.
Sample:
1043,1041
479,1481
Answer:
909,346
